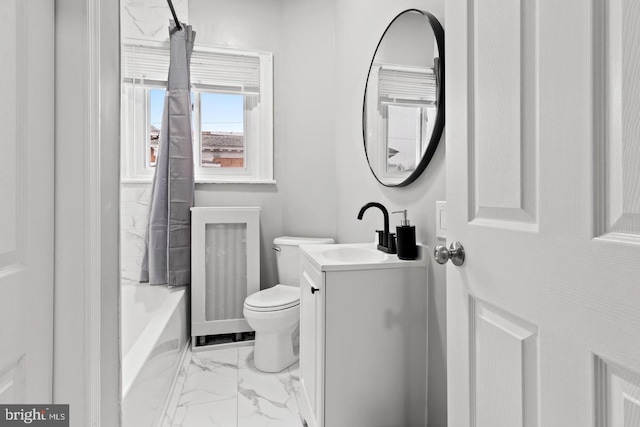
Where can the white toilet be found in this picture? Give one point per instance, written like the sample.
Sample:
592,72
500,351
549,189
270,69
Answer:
274,313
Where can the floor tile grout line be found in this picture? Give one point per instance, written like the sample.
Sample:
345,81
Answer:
238,388
239,361
216,401
208,357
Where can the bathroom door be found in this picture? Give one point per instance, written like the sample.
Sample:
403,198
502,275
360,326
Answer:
543,192
26,201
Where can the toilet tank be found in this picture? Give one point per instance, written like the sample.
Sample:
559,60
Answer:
288,256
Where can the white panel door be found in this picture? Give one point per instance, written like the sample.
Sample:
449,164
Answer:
26,201
543,191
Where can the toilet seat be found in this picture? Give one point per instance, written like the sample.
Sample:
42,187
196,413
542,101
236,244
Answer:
278,297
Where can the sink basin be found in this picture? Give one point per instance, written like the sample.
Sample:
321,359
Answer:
358,256
351,254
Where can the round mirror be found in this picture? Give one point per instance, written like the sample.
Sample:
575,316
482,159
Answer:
403,110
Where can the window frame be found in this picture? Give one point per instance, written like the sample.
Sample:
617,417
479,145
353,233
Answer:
258,125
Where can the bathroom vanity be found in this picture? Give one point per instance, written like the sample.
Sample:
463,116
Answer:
363,337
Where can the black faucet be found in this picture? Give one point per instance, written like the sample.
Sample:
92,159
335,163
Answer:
386,240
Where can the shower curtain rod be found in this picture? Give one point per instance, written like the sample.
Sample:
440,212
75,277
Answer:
175,17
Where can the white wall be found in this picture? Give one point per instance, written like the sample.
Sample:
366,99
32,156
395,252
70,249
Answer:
306,119
359,25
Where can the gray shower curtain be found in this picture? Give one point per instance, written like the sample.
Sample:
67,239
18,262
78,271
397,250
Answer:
167,257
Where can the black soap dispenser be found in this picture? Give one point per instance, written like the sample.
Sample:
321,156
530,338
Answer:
406,238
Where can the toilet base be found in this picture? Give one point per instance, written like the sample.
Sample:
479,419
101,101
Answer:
273,351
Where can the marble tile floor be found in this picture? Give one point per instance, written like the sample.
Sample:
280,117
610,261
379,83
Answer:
222,388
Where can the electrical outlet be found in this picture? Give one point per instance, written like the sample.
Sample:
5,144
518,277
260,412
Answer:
441,220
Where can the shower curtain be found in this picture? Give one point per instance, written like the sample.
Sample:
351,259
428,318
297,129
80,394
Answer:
167,257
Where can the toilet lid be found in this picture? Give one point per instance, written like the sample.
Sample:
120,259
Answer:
278,297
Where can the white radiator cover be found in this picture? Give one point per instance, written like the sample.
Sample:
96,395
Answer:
225,267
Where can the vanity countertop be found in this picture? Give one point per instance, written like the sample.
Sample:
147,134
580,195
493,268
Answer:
359,256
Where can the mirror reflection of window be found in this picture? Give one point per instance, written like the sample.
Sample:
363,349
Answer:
407,102
406,129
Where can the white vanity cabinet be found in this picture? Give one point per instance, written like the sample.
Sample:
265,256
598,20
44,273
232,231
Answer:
363,339
311,342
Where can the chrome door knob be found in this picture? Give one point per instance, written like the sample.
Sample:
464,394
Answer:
455,253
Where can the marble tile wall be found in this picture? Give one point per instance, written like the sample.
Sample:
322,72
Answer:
223,388
149,19
134,218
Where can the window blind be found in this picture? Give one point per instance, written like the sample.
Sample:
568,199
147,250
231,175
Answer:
416,85
210,69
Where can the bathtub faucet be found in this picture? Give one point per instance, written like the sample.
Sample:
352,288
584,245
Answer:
386,240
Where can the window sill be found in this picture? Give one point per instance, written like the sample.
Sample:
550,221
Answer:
236,181
135,181
208,181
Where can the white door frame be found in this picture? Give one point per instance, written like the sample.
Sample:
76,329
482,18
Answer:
86,354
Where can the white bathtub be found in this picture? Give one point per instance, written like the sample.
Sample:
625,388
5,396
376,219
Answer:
154,336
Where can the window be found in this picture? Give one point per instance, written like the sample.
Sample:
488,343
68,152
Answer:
222,143
232,113
156,106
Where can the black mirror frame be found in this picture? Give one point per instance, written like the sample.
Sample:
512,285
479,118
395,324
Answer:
438,127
